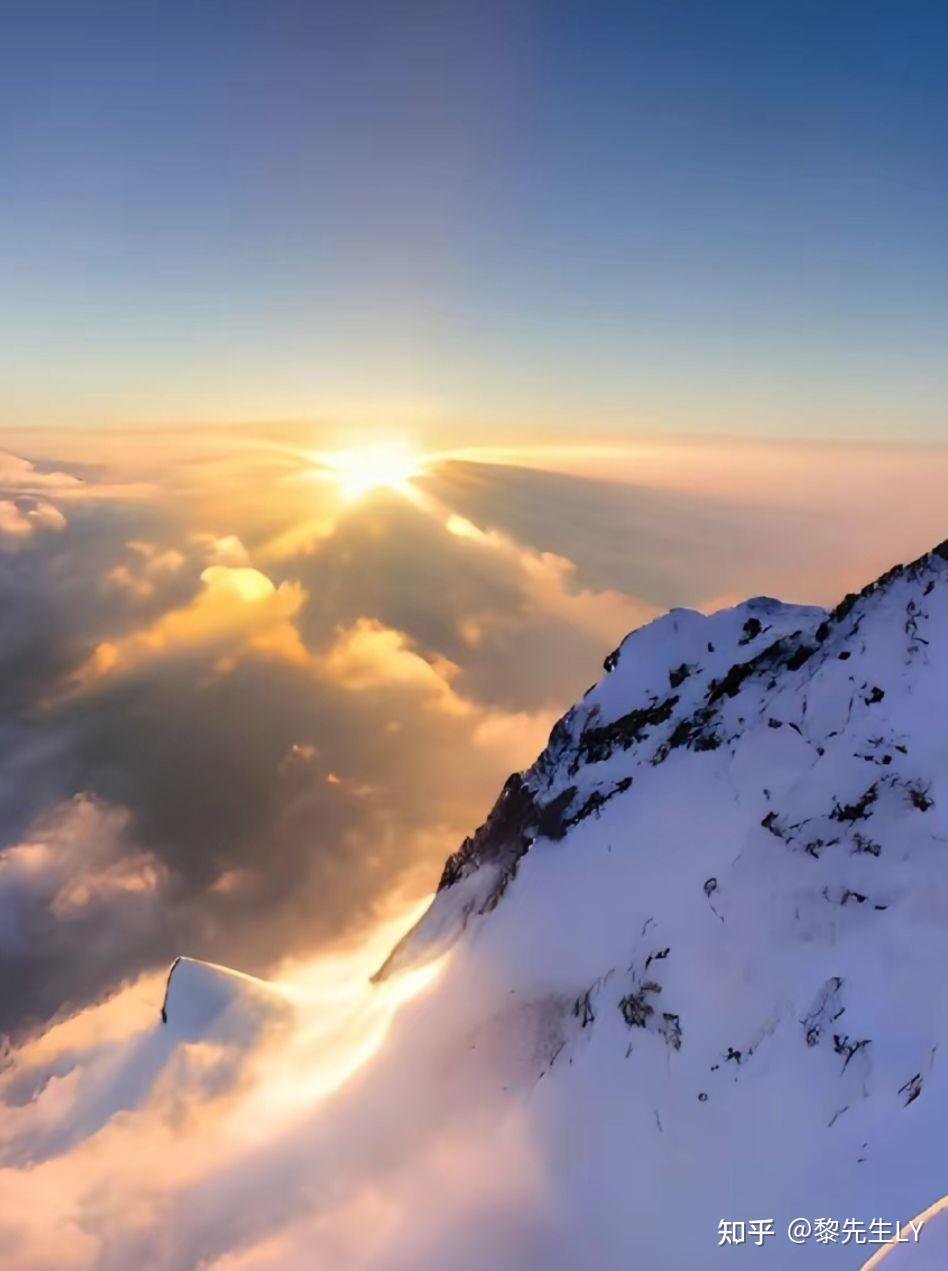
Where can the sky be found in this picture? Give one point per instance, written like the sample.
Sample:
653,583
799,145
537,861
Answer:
477,219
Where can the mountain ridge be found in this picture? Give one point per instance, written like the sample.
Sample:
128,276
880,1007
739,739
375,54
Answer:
762,637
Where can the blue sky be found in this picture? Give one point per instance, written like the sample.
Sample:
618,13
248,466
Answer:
613,217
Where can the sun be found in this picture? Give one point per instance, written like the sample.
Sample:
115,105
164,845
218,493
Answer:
359,472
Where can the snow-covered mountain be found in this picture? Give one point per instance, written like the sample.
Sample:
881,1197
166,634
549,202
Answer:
692,970
720,897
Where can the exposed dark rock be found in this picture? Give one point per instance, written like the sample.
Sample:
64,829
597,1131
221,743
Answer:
501,835
678,676
815,846
551,820
865,844
596,801
827,1010
730,684
858,811
670,1029
657,957
597,744
786,652
751,630
912,1089
846,1047
769,822
845,607
696,733
582,1009
164,1002
636,1008
920,797
802,653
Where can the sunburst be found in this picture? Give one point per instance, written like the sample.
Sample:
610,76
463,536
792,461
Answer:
361,471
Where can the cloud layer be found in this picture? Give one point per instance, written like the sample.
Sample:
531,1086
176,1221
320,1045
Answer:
239,712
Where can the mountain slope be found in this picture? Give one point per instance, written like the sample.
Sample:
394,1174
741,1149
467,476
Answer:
726,879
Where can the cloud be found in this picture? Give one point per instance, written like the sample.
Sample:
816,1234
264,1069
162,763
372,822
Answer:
78,902
281,788
512,620
17,473
237,608
558,623
24,517
369,655
680,521
147,567
224,549
21,476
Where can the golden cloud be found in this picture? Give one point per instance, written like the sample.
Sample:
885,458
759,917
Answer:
370,655
19,522
237,610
